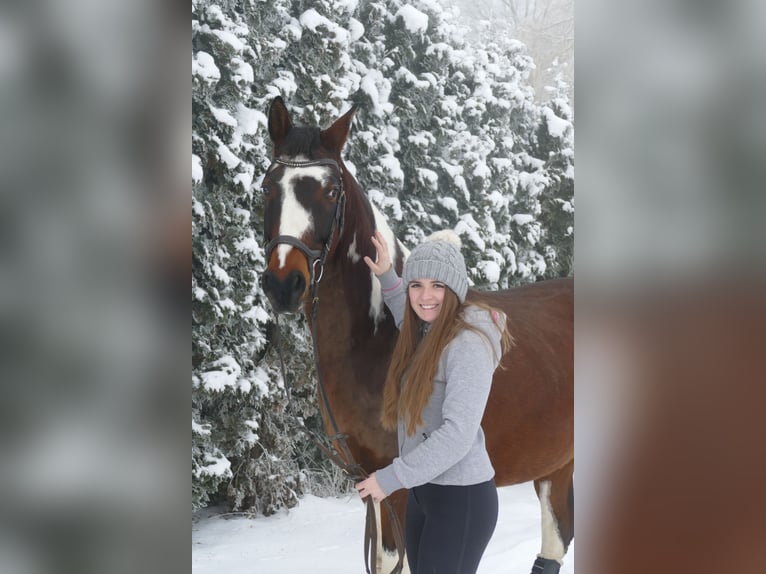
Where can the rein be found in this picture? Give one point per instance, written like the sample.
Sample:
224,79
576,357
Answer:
338,450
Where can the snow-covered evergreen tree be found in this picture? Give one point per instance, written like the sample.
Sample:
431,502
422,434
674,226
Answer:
447,135
242,441
556,136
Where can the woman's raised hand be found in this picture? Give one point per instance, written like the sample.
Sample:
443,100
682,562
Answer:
382,261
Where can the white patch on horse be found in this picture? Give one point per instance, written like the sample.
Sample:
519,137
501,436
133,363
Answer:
376,297
295,220
352,253
553,546
386,560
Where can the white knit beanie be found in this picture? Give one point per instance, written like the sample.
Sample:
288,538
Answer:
438,258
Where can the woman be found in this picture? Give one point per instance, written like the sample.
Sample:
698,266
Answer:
435,394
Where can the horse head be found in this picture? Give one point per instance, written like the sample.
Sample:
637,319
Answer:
304,192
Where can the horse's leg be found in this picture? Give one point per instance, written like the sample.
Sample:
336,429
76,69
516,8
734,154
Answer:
556,494
387,554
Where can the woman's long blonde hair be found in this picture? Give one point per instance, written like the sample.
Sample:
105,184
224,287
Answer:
416,357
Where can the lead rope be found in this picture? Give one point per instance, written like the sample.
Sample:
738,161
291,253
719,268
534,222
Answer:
341,455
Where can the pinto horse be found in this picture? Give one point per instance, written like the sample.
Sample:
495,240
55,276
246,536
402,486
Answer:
318,224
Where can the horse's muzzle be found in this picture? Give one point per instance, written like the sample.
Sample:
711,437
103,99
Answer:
285,294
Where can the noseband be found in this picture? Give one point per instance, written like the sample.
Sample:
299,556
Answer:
313,256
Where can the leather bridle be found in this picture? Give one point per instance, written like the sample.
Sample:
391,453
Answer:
338,450
313,256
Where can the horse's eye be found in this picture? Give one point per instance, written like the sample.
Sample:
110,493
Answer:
332,193
265,190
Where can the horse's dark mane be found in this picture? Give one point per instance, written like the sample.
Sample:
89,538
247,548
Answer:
301,140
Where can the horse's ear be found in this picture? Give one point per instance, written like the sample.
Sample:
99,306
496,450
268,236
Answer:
335,136
279,121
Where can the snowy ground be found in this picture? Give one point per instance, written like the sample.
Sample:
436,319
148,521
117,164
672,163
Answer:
324,536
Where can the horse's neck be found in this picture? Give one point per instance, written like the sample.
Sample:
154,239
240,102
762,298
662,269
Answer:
351,311
344,298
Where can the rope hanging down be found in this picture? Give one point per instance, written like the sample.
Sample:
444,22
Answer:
337,450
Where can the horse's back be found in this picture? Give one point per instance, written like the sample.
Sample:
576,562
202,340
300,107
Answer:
549,296
538,313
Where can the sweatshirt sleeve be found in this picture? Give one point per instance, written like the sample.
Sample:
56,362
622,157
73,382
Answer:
470,365
394,294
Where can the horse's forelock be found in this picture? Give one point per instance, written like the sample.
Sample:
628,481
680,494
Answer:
301,141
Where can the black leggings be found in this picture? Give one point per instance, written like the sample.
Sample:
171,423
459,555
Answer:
448,527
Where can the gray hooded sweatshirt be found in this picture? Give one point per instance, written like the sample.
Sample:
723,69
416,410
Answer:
448,448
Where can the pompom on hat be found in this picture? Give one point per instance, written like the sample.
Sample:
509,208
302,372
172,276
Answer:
438,258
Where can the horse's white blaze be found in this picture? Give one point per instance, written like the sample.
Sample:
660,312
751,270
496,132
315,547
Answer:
386,560
295,220
553,546
376,297
352,253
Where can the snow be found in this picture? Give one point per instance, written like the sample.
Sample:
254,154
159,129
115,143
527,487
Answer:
203,65
491,270
220,274
468,226
482,170
388,204
356,29
405,75
248,244
200,429
375,85
293,30
249,119
196,169
428,177
312,19
324,536
197,207
565,205
349,5
522,218
242,71
244,179
217,466
556,126
226,155
258,314
230,39
260,378
414,20
496,199
421,138
227,376
391,164
223,116
449,203
199,294
285,85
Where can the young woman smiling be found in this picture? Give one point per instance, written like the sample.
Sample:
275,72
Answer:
434,396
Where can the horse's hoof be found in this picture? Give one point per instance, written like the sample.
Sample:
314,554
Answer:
545,566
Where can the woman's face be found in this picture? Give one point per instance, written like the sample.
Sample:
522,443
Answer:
426,298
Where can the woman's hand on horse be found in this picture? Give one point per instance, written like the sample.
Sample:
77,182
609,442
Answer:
370,487
382,261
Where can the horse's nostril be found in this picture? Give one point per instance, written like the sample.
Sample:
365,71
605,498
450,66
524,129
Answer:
298,282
